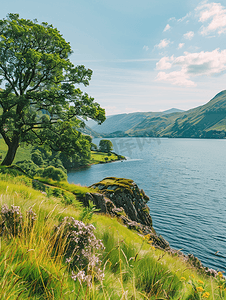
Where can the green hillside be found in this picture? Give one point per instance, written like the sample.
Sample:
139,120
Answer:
151,126
124,122
206,121
39,247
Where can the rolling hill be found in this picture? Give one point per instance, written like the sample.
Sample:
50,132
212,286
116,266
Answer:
124,122
205,121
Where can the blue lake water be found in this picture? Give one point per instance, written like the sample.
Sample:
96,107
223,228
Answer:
186,182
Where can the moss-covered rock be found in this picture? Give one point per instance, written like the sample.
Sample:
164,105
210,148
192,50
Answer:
124,193
123,199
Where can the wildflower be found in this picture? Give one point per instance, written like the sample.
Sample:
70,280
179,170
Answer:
220,274
183,279
220,287
206,295
200,281
192,276
81,249
200,289
152,247
12,219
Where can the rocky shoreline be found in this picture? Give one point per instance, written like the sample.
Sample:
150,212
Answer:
122,198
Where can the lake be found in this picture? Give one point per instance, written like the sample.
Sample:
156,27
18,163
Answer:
185,180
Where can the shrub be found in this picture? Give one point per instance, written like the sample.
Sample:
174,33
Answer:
36,157
54,173
28,166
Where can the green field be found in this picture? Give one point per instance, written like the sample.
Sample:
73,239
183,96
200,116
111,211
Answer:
100,157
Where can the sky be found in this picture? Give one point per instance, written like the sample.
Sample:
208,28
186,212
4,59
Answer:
146,55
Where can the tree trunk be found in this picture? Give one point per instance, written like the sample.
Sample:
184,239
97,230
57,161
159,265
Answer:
12,148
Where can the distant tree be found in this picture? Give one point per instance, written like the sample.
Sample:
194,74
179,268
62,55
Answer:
94,147
105,146
39,103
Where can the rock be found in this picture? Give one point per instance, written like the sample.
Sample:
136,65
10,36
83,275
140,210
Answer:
126,194
123,199
99,200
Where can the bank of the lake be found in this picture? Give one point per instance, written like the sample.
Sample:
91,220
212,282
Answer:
185,180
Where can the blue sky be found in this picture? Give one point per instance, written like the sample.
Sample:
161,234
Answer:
147,55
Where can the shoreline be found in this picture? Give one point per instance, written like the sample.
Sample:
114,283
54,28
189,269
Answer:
95,163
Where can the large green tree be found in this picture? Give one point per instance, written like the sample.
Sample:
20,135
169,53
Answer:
39,100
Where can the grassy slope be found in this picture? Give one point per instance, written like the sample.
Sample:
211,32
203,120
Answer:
133,268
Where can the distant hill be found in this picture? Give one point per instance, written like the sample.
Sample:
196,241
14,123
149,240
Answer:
89,131
206,121
124,122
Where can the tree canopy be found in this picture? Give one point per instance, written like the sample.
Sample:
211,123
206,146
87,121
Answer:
39,102
105,146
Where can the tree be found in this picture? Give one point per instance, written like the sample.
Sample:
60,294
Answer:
39,103
105,146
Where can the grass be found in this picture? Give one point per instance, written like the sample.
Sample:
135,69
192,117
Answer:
23,153
101,157
134,269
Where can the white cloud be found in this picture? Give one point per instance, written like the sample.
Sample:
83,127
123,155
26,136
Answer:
146,48
167,27
164,63
176,78
191,65
216,14
172,19
184,18
189,35
163,44
181,45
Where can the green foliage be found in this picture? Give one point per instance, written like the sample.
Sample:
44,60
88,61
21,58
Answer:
28,166
105,146
36,157
39,101
54,173
94,147
87,212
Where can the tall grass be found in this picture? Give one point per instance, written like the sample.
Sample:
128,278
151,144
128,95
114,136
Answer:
31,267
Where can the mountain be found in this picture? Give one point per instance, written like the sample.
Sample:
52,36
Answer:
89,131
124,122
206,121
